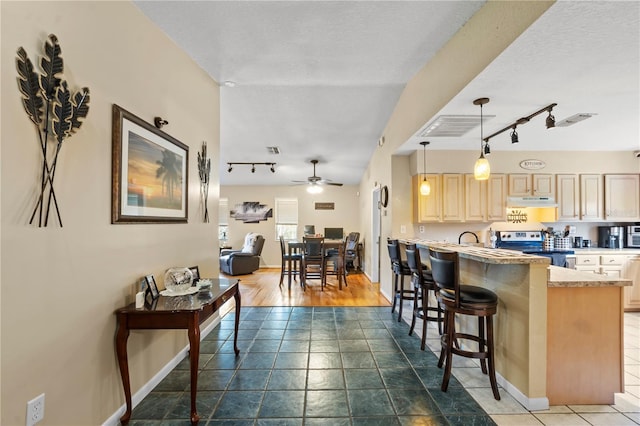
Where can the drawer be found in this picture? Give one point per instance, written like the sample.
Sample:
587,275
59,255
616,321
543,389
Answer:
617,260
591,259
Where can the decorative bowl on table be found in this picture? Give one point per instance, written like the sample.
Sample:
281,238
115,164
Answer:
178,280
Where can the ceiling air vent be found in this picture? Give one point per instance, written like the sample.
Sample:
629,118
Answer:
273,150
451,126
574,119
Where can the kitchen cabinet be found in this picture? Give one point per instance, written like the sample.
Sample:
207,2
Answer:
588,263
539,185
475,199
452,197
568,190
591,202
427,208
612,265
632,294
497,197
622,197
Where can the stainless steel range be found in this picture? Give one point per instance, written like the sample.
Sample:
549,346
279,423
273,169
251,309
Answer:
531,242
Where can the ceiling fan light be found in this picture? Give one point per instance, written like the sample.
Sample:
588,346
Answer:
314,189
425,187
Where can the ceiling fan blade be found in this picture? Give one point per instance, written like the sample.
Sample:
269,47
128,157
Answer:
333,183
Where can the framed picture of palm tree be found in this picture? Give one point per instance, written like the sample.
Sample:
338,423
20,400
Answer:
149,175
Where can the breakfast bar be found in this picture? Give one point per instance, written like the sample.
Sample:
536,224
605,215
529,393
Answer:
558,332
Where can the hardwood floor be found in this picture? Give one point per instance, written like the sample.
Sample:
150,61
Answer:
261,289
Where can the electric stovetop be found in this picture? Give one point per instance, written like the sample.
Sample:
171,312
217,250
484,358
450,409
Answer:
529,242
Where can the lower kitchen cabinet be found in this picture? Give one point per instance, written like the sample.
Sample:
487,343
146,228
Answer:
632,294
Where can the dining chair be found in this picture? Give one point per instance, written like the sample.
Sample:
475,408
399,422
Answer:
290,262
335,264
312,265
351,249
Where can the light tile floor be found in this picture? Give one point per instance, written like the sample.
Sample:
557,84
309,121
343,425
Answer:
508,411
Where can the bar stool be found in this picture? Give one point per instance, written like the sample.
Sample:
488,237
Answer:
290,262
423,283
456,298
400,269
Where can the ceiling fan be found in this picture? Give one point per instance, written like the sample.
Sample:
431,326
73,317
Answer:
314,181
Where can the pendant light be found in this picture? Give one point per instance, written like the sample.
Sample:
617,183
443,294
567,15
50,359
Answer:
482,169
425,188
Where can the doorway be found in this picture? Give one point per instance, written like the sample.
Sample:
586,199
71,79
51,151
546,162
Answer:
375,235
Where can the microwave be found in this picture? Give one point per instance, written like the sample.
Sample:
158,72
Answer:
633,236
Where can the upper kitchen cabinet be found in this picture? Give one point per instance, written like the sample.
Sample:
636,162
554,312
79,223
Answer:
622,197
539,185
452,197
497,198
568,189
591,203
475,199
427,208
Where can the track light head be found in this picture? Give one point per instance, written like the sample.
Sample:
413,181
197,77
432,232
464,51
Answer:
487,149
514,136
551,120
230,168
253,168
273,169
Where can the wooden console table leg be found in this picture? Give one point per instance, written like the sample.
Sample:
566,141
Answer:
235,334
194,355
122,334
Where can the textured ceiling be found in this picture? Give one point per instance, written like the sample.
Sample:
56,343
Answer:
320,79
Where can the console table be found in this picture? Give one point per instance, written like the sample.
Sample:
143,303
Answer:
177,312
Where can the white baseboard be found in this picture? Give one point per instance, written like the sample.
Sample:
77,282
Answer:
531,404
136,398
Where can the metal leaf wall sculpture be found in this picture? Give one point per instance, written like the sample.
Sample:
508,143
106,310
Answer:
204,171
54,111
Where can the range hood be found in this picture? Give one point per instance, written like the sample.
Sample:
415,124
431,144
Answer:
513,202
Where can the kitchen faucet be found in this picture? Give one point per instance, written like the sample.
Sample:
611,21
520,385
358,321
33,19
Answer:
468,232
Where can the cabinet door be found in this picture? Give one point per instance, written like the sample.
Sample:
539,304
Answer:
452,197
632,294
622,197
497,198
519,185
427,207
568,190
475,199
591,203
543,185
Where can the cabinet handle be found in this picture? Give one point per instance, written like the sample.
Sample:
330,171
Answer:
587,261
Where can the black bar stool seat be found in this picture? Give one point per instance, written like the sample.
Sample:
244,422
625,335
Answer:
400,269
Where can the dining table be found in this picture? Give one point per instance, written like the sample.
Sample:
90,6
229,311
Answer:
296,247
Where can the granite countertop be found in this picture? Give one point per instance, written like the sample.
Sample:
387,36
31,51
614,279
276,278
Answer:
481,254
564,277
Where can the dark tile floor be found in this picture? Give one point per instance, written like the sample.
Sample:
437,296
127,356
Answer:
312,366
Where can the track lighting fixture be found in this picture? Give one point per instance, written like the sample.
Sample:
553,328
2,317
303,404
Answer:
425,187
481,169
487,149
551,120
272,166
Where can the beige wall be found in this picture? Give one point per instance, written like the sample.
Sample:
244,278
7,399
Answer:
480,41
61,286
345,215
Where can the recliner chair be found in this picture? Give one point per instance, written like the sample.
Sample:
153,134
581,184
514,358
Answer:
245,261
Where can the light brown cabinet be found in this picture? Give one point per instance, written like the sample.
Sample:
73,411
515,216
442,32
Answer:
591,202
475,199
568,190
539,185
632,294
622,197
427,208
452,197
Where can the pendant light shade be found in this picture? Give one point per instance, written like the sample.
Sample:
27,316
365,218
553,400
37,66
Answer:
482,169
425,187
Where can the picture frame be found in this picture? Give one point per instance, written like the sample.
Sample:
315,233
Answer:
150,172
151,292
196,274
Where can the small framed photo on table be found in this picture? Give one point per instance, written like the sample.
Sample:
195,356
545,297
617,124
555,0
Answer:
196,274
152,292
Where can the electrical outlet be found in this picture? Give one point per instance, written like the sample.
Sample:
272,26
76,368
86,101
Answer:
35,410
421,229
403,229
